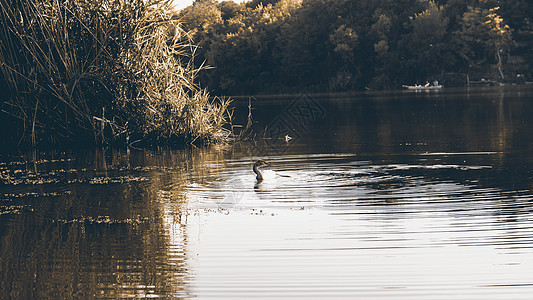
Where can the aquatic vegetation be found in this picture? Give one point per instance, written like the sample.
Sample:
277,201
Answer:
103,71
106,220
120,179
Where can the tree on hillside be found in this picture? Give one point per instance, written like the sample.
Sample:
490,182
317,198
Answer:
238,40
426,45
201,16
518,14
229,9
344,41
500,37
303,45
483,37
380,34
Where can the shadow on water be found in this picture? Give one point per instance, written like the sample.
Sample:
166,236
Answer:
404,195
84,224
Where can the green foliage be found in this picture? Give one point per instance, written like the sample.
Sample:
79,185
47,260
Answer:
427,44
240,44
316,45
484,38
102,70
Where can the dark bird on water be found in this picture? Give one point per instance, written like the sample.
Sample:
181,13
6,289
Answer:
257,165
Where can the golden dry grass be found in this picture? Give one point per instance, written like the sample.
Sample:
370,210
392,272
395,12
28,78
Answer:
104,70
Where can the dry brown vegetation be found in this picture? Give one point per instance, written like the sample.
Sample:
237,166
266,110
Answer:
103,71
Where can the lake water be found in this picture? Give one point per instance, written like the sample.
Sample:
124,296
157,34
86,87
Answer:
397,195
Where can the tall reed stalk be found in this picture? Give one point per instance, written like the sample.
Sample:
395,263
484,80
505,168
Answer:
103,70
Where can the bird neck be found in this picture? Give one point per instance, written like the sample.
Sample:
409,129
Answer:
258,173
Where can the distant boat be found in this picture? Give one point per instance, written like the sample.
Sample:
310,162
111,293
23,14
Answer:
422,87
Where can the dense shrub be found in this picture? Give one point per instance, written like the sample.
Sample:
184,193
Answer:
104,71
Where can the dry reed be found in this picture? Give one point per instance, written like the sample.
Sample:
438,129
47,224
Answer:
104,70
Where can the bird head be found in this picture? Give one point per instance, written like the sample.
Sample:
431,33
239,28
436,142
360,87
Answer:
260,163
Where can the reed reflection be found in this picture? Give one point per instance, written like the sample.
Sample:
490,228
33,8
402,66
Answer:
98,224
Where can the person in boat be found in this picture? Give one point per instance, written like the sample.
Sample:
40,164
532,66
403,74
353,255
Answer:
435,83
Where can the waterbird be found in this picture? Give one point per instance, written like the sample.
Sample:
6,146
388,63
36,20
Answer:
255,168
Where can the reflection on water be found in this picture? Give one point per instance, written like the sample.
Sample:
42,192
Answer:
409,196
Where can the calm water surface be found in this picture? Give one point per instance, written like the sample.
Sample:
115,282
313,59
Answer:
381,196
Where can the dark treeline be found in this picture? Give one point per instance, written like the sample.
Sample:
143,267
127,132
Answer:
289,45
